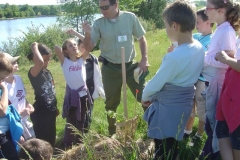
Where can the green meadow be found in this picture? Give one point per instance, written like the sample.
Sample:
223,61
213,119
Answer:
157,46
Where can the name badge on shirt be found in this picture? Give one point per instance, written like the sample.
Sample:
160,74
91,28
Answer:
122,38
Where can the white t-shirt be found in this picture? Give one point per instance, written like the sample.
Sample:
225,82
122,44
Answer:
75,74
223,39
17,94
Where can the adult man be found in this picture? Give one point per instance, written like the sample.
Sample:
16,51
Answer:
115,30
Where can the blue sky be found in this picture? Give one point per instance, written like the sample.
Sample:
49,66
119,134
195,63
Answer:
30,2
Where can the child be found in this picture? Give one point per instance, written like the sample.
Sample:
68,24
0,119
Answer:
7,138
226,16
204,28
169,93
228,110
77,97
17,97
93,73
45,105
36,149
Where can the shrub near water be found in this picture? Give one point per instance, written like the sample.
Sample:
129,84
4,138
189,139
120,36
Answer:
51,36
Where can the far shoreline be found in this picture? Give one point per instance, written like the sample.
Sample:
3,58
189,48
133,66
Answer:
13,18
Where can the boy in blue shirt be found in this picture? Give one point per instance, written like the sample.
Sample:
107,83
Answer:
204,28
168,95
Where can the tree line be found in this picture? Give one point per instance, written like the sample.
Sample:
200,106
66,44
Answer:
75,12
16,11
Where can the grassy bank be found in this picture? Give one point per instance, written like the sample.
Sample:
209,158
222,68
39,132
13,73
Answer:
157,46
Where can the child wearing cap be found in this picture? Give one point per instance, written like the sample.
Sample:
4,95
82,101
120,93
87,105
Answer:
10,130
17,97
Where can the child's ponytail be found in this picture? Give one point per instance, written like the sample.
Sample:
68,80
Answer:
233,16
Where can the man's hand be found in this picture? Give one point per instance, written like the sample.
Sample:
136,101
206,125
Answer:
86,28
146,103
143,64
222,57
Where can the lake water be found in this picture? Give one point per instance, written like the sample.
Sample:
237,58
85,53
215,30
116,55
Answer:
14,28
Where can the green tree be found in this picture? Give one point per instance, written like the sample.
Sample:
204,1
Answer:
54,10
45,10
25,7
130,5
22,14
152,10
36,9
75,12
16,14
32,13
1,13
6,6
15,10
8,13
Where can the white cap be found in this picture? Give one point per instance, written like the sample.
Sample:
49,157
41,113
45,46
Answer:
11,58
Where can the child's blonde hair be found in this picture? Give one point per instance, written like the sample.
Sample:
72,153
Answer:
232,11
5,64
64,47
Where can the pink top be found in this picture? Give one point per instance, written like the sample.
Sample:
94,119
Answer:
228,108
224,38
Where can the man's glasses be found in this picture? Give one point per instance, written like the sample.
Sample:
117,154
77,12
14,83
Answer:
207,9
105,7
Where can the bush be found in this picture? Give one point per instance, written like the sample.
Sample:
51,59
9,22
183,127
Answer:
50,36
152,11
148,25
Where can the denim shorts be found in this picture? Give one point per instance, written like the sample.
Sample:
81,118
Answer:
222,131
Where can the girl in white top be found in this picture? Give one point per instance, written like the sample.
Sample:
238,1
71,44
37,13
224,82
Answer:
17,97
76,95
226,16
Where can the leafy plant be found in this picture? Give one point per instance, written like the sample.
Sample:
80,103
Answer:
50,36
